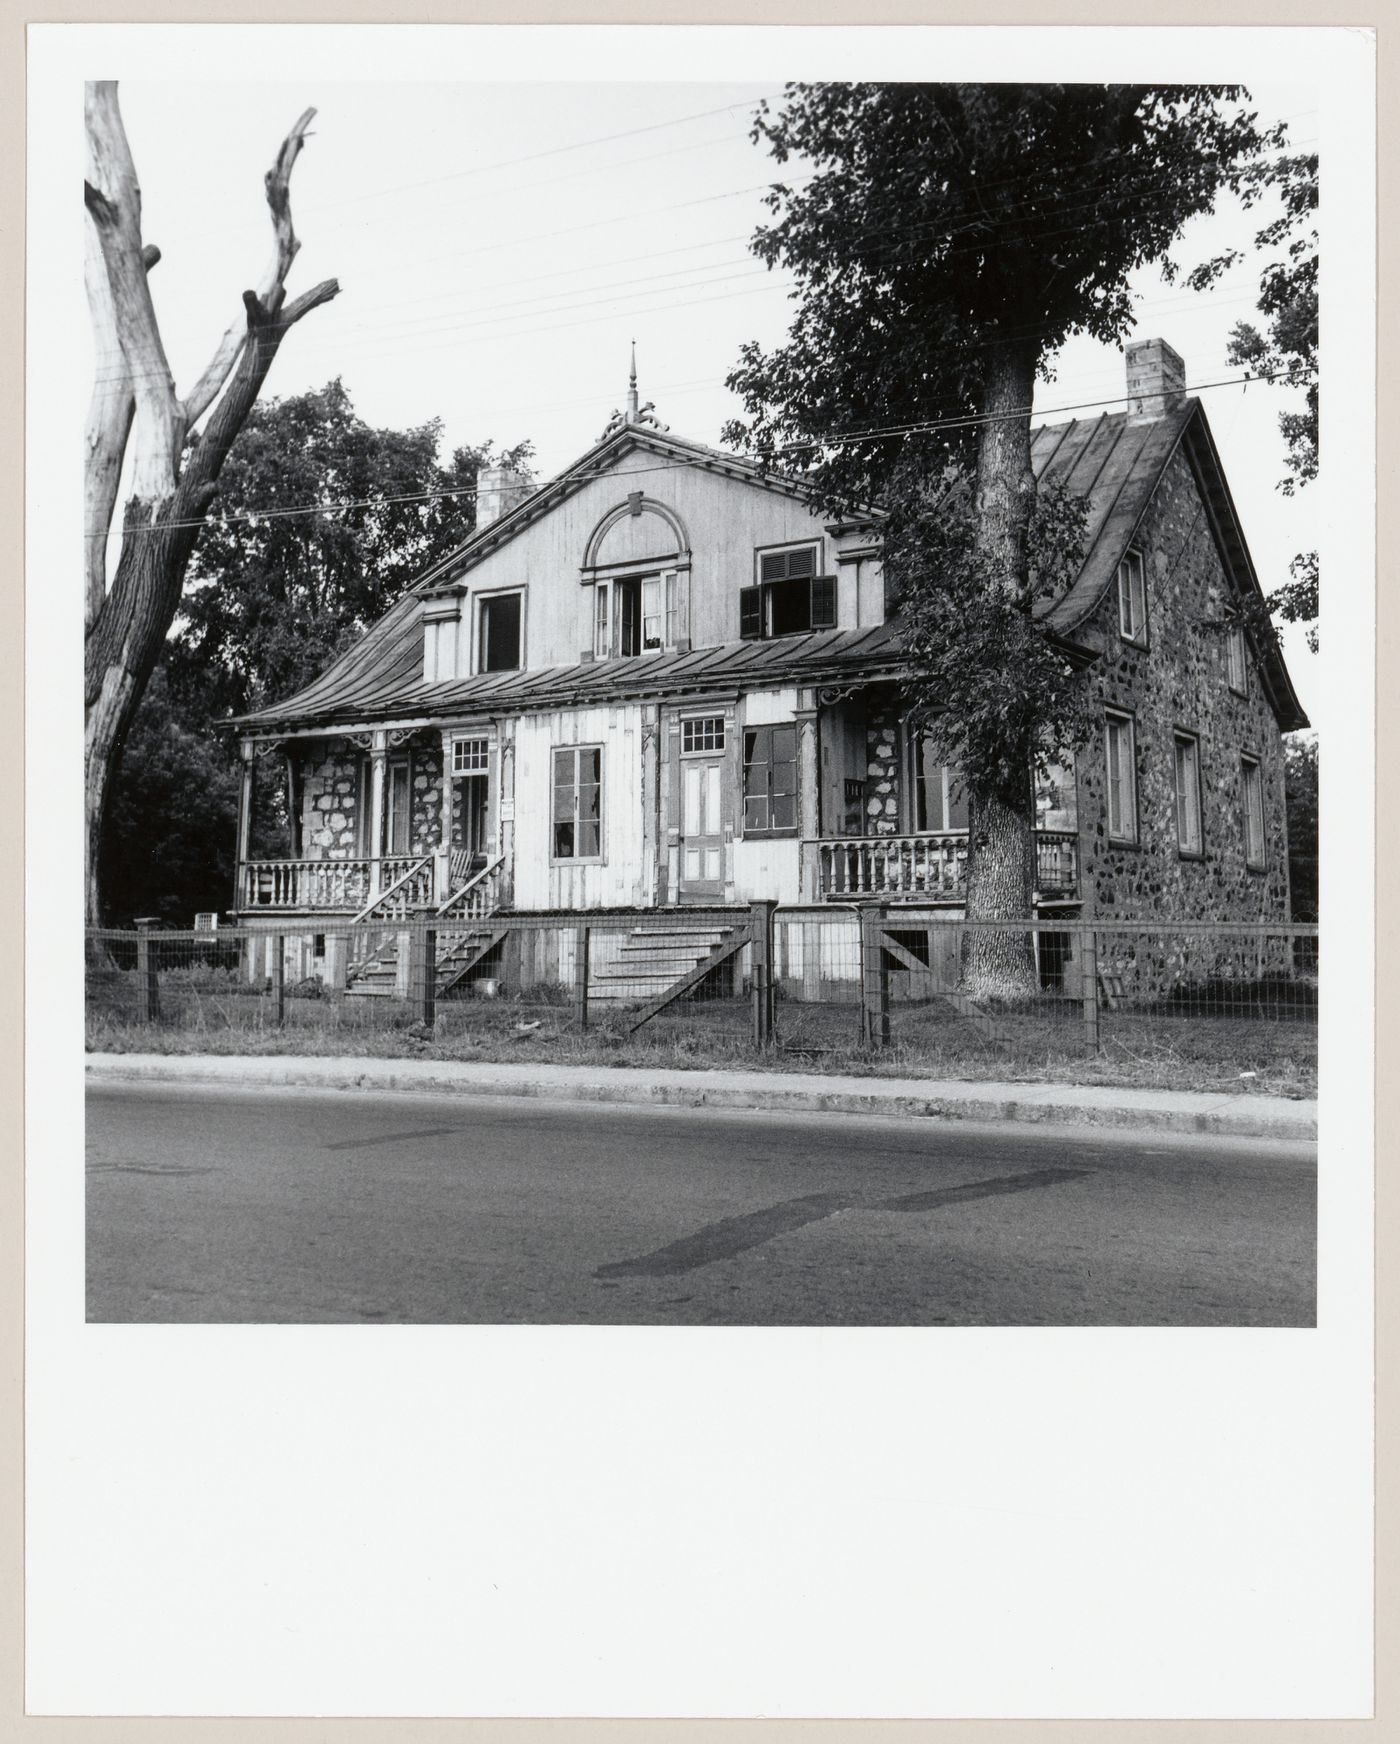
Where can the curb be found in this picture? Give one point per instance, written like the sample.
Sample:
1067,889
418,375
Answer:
1186,1112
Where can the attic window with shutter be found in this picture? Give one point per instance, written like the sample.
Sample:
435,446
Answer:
789,597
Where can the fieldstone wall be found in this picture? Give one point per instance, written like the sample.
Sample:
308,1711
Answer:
425,786
1178,682
330,773
882,740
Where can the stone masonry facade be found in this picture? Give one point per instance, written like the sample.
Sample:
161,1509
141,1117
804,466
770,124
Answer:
330,773
1178,683
333,786
425,787
882,741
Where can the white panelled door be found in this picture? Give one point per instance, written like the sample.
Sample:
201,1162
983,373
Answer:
702,826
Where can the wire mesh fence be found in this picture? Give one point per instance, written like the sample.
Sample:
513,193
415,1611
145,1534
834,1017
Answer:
823,983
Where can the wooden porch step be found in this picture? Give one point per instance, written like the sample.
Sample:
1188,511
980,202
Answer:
651,959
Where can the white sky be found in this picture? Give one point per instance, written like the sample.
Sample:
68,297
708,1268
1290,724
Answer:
499,246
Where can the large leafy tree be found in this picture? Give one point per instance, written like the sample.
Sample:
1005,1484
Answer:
322,522
949,239
1284,349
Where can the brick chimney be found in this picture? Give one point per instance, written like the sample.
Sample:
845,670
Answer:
499,489
1156,380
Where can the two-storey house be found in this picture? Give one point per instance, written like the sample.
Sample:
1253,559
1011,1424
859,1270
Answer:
662,679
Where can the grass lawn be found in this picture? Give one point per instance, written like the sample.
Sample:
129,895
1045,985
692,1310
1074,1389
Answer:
1256,1049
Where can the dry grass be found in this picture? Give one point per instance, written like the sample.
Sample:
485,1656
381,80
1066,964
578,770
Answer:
1249,1052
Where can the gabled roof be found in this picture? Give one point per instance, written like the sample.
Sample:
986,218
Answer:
1113,462
615,445
1116,465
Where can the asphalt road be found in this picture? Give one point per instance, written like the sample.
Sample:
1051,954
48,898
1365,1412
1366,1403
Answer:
278,1206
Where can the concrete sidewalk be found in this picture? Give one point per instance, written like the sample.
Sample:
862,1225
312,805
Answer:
1180,1111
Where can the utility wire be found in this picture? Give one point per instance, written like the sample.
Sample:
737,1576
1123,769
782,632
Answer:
971,420
905,231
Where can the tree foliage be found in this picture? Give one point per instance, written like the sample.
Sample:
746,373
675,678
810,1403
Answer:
1285,349
1301,798
168,836
1006,695
946,222
275,591
946,243
285,576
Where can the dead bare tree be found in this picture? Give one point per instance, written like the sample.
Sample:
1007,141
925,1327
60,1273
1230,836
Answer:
139,428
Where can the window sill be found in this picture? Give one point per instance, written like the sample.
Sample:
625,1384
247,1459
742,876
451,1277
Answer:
1196,854
1123,841
579,860
769,836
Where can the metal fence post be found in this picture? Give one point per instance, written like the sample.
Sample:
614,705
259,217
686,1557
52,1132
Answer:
279,978
147,976
874,978
582,936
761,941
1089,986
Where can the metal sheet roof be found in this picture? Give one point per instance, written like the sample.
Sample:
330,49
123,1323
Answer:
1113,463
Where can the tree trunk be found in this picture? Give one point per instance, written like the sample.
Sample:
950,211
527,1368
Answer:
173,476
1001,818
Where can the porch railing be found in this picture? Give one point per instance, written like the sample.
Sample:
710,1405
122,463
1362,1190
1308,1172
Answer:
930,866
411,889
1056,863
331,885
477,894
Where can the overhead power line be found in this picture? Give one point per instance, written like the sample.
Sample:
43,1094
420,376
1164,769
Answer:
971,420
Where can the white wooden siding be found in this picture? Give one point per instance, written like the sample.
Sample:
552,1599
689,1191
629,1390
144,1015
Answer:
726,521
620,879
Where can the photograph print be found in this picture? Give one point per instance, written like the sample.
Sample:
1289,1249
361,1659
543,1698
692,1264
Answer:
701,703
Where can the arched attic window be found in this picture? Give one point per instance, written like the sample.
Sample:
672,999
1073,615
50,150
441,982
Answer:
636,582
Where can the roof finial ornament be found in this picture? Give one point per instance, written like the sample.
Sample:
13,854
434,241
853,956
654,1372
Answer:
635,414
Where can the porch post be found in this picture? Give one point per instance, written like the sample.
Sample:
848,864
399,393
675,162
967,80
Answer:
245,818
442,860
651,804
503,759
446,825
809,800
378,756
295,846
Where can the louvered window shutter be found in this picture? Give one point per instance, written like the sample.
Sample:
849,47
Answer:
751,613
823,602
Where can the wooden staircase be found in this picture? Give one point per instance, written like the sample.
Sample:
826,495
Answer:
466,934
651,960
458,953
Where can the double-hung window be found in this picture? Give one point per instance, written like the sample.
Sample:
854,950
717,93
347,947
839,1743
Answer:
577,813
1187,751
789,597
770,780
1252,785
1236,664
1132,599
1122,779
